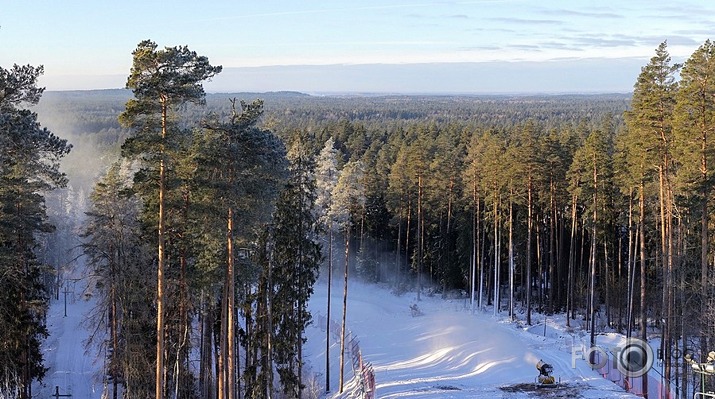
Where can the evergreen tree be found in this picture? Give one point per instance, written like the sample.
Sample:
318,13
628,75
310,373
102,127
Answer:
161,81
556,150
651,120
694,127
238,170
419,156
30,166
295,260
592,174
494,183
400,204
471,182
443,191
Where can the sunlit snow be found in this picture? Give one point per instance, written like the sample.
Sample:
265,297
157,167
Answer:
447,352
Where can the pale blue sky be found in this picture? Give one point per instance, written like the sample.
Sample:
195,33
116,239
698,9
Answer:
87,44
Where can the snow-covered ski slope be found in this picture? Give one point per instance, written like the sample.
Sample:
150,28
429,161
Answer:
447,352
72,369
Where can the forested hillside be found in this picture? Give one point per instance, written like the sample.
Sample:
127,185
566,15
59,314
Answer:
582,205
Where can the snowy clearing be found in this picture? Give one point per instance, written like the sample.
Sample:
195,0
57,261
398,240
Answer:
72,369
447,352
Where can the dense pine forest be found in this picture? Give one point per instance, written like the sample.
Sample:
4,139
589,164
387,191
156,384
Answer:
206,219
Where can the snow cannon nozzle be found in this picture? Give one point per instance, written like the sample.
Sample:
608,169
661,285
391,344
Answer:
544,368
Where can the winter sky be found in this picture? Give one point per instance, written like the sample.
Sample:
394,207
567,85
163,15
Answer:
365,45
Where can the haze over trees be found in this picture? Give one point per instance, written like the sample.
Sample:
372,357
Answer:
594,206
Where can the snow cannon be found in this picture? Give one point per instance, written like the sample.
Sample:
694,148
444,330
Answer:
707,368
545,379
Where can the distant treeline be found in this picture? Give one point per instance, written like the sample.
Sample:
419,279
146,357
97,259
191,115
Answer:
94,111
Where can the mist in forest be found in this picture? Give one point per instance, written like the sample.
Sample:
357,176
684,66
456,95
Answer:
96,138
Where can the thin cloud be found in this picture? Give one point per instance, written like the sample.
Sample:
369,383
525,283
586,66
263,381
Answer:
694,32
492,30
528,21
561,46
593,41
479,48
586,14
322,11
525,47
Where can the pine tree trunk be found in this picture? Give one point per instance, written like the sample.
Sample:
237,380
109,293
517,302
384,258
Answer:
182,352
114,314
398,250
618,282
205,371
593,256
704,243
159,388
572,264
630,266
592,289
581,272
345,308
221,356
670,311
607,278
529,228
420,233
667,248
481,242
643,311
682,248
553,286
327,317
473,269
230,293
496,256
301,272
511,258
268,358
539,267
407,234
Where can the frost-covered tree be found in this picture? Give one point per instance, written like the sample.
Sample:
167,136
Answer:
348,200
117,255
326,178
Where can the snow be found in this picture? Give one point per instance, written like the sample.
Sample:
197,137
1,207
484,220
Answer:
446,352
71,368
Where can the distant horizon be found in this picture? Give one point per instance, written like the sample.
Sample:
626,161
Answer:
378,94
372,94
585,76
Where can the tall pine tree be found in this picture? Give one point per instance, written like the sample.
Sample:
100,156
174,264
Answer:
162,80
